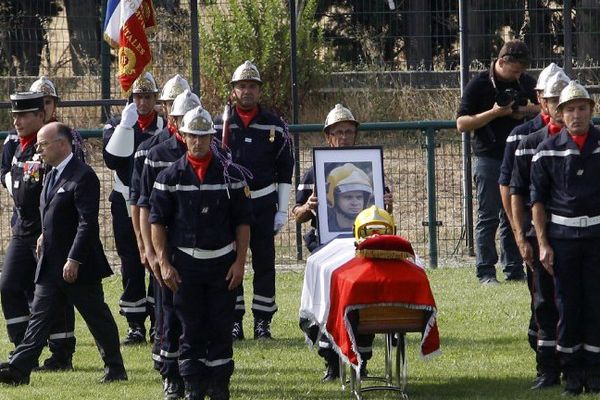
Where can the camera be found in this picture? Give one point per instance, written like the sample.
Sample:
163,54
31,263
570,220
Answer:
511,95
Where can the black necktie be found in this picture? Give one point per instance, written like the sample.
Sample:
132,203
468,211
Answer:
50,181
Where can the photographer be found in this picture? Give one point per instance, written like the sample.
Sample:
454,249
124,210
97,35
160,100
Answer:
493,103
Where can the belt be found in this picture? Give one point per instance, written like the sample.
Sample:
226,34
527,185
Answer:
202,254
577,222
255,194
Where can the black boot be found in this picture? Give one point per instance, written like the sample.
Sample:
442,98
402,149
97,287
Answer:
136,334
546,379
592,382
573,383
173,388
194,389
332,365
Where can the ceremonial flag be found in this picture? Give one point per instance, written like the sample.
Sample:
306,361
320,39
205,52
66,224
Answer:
125,27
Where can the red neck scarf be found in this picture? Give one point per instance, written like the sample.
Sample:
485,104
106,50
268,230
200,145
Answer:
27,141
246,115
180,138
553,129
545,118
172,129
580,139
144,121
200,165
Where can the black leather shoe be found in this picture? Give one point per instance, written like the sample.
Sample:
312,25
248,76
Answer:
363,369
53,363
174,388
573,384
332,371
113,376
546,380
135,335
262,329
12,376
194,389
592,383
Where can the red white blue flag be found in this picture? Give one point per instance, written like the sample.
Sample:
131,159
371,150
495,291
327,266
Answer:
126,25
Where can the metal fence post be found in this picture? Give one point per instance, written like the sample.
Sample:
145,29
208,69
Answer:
105,62
568,39
431,197
466,136
195,37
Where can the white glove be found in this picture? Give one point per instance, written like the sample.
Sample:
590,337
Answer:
129,116
280,220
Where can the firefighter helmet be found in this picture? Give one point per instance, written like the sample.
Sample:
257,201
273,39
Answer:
545,74
555,84
145,83
197,122
44,85
246,72
347,178
183,103
373,220
339,113
174,87
574,91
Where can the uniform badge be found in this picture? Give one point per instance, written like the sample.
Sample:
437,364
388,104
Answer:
204,210
31,171
579,172
272,135
247,191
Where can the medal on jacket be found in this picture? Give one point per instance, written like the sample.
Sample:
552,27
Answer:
272,135
31,171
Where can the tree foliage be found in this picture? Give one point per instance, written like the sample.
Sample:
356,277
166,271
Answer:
259,30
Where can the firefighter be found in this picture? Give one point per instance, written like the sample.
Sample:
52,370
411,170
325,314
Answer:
260,142
545,314
565,173
158,158
121,137
23,179
201,215
349,191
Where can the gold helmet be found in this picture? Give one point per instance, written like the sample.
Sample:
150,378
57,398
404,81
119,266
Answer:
246,72
555,84
44,85
145,83
371,221
197,122
174,87
339,113
574,91
545,74
347,178
183,103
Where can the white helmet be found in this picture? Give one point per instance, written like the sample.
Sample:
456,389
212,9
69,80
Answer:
183,103
174,87
555,84
145,83
246,72
339,113
198,122
545,74
574,91
44,85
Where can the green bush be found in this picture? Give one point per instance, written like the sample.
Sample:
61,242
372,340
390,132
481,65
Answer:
259,30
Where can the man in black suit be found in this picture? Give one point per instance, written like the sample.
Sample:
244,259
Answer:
71,261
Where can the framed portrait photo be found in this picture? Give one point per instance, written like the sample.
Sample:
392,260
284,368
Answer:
347,180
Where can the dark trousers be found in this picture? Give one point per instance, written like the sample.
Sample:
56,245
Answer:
546,314
171,334
577,287
16,290
133,302
205,306
89,300
158,326
262,246
490,219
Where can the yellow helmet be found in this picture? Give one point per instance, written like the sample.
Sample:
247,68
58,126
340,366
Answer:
347,178
371,221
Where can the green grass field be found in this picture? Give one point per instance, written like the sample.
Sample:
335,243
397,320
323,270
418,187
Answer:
485,354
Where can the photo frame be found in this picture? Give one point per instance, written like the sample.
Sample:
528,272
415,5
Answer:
344,176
